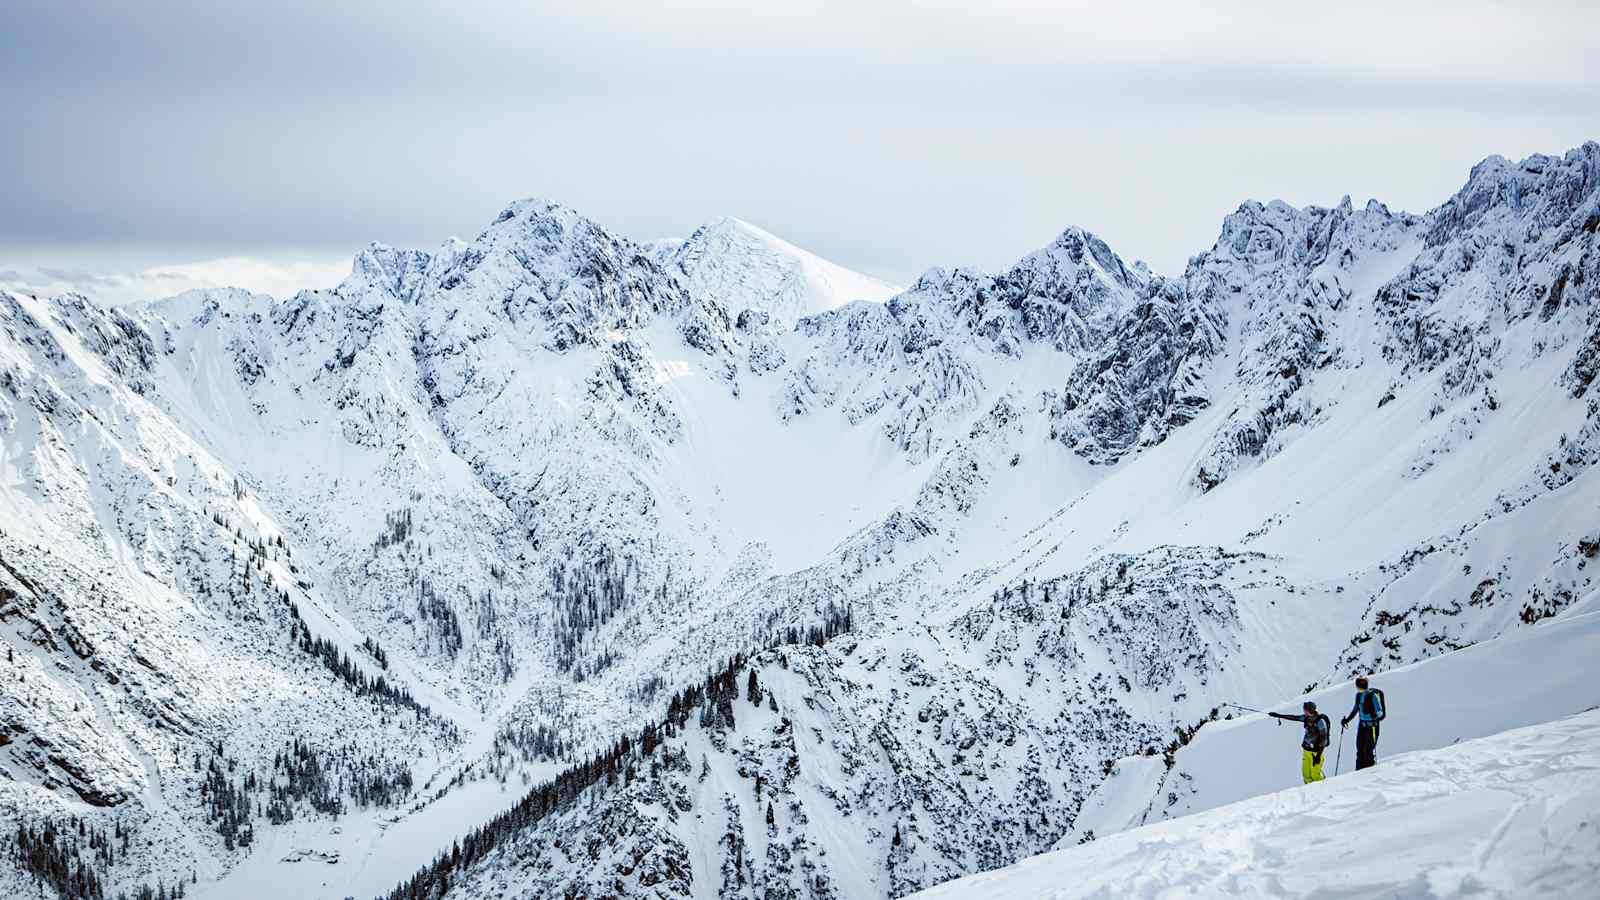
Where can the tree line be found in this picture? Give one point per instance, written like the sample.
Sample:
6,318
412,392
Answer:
53,856
301,776
335,660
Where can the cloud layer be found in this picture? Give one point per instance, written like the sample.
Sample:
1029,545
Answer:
261,276
887,136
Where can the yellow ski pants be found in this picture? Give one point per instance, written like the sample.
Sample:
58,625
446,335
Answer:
1310,766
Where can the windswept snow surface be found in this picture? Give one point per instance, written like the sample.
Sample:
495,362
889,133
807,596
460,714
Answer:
1515,815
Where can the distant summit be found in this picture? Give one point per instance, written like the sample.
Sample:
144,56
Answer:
743,267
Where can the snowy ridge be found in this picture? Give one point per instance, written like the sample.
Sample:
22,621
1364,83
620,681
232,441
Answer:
553,476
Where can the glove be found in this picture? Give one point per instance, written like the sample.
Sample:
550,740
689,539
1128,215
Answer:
1344,722
1316,758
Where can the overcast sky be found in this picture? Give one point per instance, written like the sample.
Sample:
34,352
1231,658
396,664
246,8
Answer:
156,144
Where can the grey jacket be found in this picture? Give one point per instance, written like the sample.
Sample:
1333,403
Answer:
1316,738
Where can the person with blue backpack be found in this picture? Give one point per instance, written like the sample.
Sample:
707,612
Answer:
1369,708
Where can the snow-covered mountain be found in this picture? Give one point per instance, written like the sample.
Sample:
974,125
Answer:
972,544
743,267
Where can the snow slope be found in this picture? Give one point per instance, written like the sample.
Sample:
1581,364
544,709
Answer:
1512,815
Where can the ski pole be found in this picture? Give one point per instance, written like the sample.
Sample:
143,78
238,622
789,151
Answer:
1245,708
1340,756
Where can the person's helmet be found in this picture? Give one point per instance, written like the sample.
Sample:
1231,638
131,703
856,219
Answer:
1361,682
1311,706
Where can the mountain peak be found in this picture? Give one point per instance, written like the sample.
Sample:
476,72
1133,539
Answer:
735,224
535,207
1082,247
743,266
550,228
393,271
1543,190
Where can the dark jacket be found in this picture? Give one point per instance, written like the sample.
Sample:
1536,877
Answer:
1316,738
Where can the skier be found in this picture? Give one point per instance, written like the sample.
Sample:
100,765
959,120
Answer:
1315,741
1369,707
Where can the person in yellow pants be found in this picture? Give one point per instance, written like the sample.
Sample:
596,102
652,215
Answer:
1315,741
